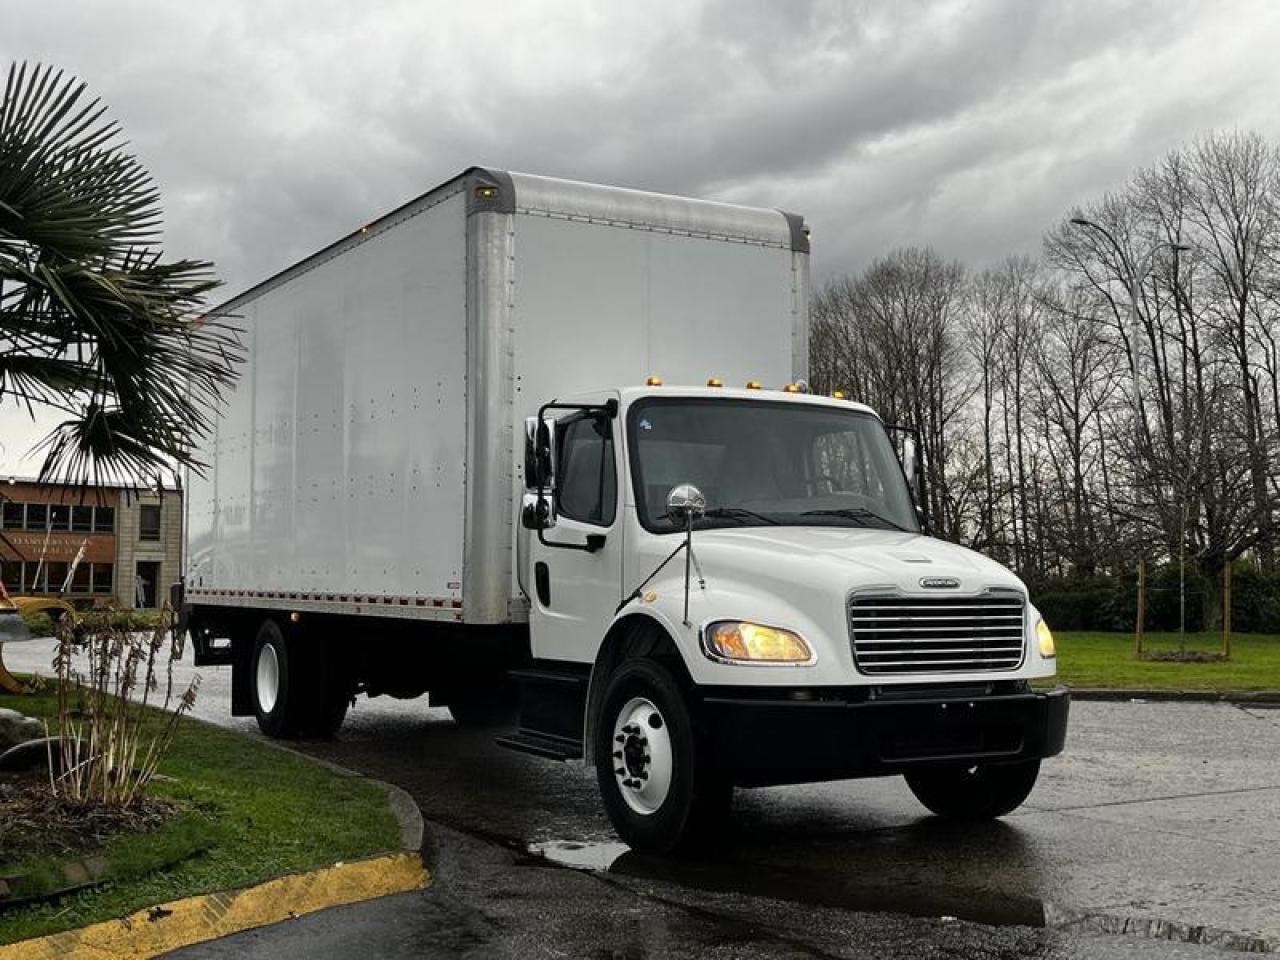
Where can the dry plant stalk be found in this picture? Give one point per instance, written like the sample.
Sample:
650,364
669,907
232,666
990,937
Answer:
106,675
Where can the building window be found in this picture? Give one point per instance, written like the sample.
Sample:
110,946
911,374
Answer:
56,575
12,515
82,519
59,516
149,521
37,516
82,579
104,519
11,575
102,577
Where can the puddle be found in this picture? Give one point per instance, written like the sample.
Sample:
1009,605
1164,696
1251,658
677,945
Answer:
819,888
580,856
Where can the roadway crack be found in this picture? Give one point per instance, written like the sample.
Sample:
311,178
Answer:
1270,716
1172,796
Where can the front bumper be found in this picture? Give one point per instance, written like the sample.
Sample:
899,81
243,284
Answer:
811,736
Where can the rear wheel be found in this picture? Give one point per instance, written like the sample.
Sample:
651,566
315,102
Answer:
296,689
659,786
276,691
980,792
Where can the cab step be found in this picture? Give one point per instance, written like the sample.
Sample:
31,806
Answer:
553,697
545,745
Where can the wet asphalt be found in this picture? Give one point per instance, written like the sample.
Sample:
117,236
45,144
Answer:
1160,825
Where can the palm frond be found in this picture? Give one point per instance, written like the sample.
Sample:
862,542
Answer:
93,320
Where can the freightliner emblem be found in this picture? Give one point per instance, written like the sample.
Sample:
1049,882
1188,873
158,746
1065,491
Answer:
939,583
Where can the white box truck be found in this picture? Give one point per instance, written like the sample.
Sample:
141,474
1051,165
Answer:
450,466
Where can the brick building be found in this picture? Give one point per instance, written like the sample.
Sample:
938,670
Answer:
129,542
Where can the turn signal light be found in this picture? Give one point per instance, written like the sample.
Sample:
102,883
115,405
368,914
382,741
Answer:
755,643
653,381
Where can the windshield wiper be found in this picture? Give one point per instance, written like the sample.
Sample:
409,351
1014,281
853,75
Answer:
738,513
856,513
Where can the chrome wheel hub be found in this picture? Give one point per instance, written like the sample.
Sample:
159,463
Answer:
643,761
267,678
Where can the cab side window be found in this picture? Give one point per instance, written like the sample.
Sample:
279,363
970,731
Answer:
588,487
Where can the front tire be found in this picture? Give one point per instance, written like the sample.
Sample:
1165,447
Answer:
981,792
659,786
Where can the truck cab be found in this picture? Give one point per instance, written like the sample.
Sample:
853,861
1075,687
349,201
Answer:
735,587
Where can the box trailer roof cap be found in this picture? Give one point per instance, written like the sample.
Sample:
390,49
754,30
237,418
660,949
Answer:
620,206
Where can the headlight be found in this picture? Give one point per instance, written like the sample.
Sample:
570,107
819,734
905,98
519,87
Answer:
1045,636
754,643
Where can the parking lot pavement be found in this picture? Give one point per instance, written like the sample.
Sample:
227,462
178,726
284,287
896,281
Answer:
1159,819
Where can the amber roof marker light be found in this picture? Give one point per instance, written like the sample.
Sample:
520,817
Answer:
714,382
653,381
753,385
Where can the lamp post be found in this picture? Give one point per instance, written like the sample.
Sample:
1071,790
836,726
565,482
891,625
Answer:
1136,273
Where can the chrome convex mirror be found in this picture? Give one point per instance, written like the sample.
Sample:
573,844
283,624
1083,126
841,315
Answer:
685,504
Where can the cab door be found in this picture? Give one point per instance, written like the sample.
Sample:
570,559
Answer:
575,579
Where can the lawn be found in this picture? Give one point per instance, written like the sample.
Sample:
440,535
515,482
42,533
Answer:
269,812
1107,660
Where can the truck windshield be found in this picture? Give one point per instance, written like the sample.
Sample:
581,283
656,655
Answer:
767,463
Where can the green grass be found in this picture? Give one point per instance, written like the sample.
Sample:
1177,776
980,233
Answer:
127,856
272,813
1108,660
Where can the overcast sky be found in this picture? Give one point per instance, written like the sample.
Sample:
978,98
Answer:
274,128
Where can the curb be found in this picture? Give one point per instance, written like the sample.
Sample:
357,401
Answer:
169,926
1244,697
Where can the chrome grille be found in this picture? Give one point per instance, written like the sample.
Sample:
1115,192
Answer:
895,634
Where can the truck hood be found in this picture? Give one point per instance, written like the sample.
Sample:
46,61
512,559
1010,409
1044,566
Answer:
845,558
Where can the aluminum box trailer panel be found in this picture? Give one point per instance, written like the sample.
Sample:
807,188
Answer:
368,461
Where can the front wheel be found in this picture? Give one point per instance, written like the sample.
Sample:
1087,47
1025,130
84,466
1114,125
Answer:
660,789
980,792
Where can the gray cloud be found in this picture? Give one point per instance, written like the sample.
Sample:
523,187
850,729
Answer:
276,126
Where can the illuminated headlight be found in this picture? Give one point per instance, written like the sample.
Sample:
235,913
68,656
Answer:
1045,636
754,643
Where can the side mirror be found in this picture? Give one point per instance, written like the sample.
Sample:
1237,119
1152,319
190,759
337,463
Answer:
911,466
685,504
539,453
537,512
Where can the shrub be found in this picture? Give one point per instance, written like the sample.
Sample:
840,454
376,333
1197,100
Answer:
39,623
107,755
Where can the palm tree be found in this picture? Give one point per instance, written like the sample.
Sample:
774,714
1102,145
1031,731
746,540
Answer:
93,322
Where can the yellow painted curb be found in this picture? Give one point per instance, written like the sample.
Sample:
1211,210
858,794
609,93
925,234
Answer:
169,926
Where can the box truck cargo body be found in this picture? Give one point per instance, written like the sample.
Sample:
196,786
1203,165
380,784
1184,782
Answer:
389,377
513,433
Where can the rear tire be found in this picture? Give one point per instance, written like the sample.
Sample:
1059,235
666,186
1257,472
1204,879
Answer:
981,792
658,783
274,680
295,689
